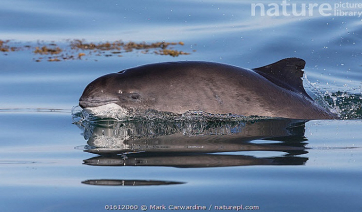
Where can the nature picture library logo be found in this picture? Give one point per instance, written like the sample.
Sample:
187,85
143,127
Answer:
285,8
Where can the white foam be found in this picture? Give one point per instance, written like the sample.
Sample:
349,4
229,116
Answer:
111,110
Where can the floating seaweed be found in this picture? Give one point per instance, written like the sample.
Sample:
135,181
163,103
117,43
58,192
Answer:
171,52
6,48
47,50
106,49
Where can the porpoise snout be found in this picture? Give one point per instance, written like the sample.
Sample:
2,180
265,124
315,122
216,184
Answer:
86,102
82,103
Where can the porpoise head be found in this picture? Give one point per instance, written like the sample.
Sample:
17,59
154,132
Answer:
108,89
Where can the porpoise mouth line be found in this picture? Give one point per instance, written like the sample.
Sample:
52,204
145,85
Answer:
95,103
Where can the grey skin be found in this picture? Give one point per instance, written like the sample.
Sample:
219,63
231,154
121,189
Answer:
274,90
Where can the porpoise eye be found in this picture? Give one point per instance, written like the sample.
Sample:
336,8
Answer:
134,96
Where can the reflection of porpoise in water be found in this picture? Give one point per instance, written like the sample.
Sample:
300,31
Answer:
189,144
195,137
274,90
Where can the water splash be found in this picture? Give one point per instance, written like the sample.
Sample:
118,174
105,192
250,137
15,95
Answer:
136,129
121,114
347,104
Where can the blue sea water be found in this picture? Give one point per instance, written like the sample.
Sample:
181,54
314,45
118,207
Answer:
312,166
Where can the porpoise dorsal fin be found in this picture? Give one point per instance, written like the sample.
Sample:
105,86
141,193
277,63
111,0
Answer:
286,73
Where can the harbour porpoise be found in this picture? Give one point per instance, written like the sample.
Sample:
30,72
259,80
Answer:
274,90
